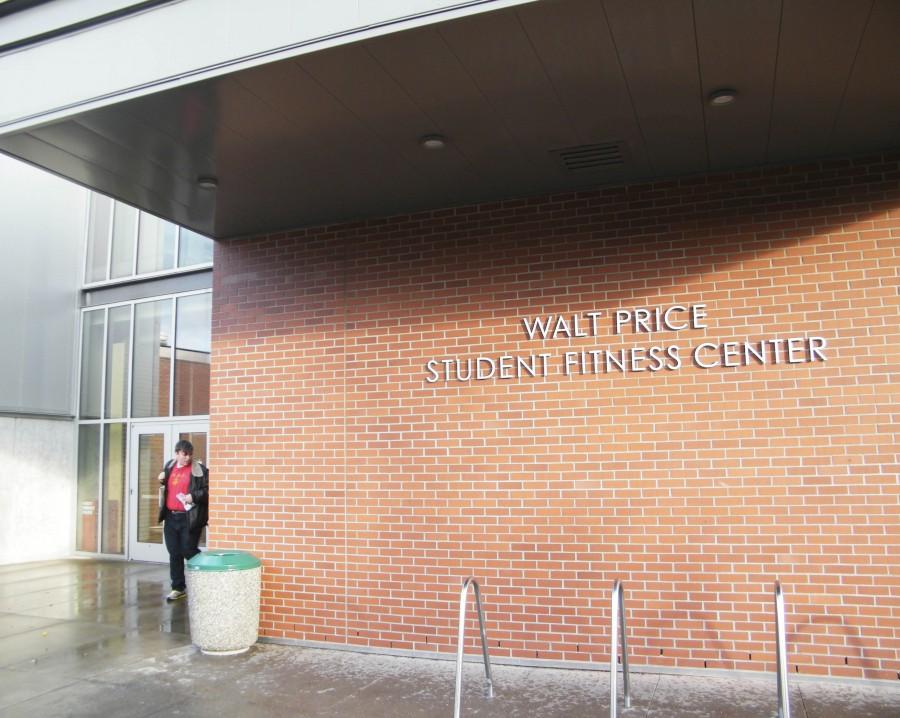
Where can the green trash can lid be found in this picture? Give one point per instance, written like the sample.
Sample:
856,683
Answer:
223,560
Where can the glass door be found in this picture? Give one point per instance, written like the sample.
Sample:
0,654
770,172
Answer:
152,444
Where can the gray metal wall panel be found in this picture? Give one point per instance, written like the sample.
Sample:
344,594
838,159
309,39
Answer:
187,282
41,253
51,477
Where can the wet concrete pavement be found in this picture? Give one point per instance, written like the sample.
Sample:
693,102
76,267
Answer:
96,638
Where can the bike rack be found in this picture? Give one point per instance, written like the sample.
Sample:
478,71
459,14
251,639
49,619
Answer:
617,632
470,581
617,608
784,708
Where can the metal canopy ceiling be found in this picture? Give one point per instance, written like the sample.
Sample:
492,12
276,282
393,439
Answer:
334,135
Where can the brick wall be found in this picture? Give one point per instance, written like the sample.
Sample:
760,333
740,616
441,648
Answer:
371,490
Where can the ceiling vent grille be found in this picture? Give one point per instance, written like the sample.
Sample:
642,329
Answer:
590,158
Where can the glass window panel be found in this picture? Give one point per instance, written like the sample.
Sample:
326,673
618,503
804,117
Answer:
194,248
156,244
152,358
117,362
88,487
113,489
91,363
151,458
125,221
192,350
98,238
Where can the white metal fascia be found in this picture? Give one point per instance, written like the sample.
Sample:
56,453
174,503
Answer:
52,16
190,40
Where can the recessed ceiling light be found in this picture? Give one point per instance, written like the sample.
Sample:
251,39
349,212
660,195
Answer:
207,182
722,97
433,142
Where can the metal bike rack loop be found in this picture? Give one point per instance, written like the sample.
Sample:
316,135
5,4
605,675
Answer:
470,581
617,608
784,708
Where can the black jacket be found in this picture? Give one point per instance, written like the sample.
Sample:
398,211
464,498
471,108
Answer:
198,516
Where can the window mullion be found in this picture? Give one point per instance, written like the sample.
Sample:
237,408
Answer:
101,488
172,360
130,372
136,244
109,239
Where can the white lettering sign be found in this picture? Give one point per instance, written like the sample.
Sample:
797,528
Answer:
651,359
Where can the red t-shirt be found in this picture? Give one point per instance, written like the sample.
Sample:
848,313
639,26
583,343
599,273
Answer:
179,483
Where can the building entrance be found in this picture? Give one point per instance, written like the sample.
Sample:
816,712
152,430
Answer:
152,444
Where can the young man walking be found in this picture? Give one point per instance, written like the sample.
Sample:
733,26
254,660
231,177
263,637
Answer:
184,508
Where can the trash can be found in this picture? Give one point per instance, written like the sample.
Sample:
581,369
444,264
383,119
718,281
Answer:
223,600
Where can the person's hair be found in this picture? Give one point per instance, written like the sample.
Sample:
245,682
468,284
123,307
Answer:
186,446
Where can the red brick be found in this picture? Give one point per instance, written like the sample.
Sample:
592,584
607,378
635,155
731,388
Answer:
370,493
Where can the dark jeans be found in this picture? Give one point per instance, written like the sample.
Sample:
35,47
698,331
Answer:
181,545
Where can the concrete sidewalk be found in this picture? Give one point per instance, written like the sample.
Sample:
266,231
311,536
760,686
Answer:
96,638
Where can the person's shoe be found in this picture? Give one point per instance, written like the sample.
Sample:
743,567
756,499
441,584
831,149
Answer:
174,595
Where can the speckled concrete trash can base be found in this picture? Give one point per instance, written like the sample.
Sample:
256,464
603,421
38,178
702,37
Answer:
224,653
224,610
